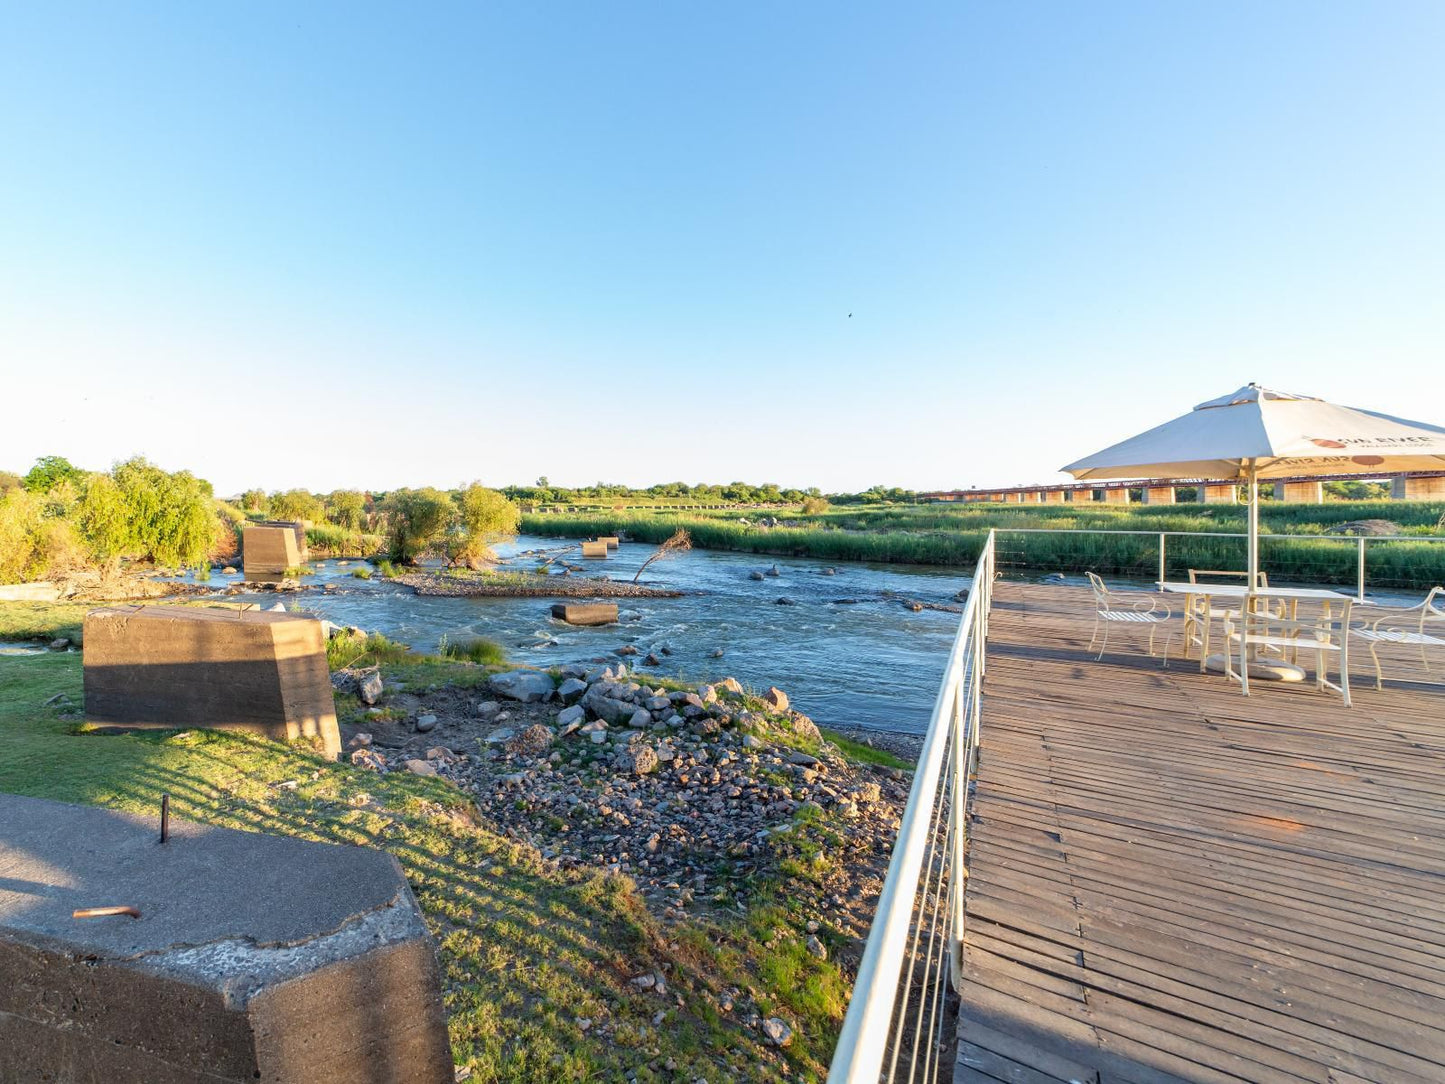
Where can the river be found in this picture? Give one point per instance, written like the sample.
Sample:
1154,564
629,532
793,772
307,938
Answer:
845,654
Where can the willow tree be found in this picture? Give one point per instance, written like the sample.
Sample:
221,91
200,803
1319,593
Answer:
484,517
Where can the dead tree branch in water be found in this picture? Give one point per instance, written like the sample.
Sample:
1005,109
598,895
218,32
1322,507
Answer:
680,542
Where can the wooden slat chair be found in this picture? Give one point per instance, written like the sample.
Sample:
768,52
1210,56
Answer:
1420,626
1256,629
1200,614
1108,612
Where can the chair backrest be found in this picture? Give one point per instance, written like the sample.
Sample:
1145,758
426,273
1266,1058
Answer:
1101,593
1194,573
1433,608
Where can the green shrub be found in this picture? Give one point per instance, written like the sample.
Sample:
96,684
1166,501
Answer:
373,649
361,573
475,649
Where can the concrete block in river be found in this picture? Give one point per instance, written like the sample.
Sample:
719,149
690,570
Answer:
254,957
269,549
192,666
585,613
594,549
612,541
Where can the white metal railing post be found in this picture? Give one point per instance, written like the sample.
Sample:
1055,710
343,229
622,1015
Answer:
1360,570
962,753
1162,576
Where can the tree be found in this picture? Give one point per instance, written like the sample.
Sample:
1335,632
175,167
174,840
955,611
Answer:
255,500
417,522
346,508
297,504
9,480
484,516
50,471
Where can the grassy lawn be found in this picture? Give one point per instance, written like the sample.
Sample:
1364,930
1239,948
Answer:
536,963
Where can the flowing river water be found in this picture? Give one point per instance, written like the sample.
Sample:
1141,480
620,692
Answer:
848,651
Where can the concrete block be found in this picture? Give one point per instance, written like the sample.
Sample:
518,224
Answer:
1159,495
1417,489
585,613
594,549
269,549
1054,496
255,957
613,542
1115,496
1300,492
191,666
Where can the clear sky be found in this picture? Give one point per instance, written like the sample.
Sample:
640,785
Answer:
374,245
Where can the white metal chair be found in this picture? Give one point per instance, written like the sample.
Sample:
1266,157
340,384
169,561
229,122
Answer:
1108,612
1200,613
1419,626
1249,630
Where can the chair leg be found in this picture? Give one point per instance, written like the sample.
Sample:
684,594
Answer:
1379,674
1105,645
1345,677
1204,646
1096,633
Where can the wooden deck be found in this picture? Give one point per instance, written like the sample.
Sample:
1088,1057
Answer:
1171,882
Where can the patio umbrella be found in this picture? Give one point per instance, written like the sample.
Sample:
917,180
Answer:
1256,434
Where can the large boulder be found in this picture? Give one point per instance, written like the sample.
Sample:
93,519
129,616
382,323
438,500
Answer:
528,686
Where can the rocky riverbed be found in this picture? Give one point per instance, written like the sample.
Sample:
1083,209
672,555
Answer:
446,585
699,794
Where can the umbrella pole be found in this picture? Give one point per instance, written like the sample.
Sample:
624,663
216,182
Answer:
1253,528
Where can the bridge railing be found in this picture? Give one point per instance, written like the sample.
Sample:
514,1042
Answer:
897,1025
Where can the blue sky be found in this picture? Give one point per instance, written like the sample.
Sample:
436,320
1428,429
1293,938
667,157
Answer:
356,245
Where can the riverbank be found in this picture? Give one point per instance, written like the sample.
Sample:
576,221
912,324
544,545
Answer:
1300,543
599,914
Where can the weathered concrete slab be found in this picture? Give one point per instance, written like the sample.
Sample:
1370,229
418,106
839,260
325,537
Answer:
39,591
613,542
254,958
269,549
594,549
585,613
191,666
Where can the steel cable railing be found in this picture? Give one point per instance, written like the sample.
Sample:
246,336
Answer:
896,1029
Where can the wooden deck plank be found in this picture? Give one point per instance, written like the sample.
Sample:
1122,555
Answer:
1172,882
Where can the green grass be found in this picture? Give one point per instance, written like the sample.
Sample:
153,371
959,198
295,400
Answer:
361,573
42,620
859,753
526,950
475,649
329,540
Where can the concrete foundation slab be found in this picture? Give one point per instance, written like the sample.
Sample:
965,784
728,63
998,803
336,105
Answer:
1301,492
1226,494
585,613
594,549
255,957
613,542
1159,495
226,669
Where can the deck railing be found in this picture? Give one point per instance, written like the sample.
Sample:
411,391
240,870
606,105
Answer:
896,1028
1381,562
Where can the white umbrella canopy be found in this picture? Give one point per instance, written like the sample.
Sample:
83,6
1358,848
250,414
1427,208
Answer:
1275,435
1256,434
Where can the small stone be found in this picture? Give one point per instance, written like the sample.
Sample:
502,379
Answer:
651,660
776,699
531,741
803,759
572,717
644,982
359,740
420,767
59,644
369,687
425,723
784,600
487,708
816,947
571,688
625,650
528,686
731,685
641,718
755,575
751,741
778,1033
